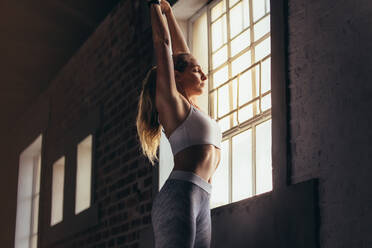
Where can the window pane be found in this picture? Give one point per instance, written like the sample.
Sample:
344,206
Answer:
241,63
258,9
236,20
33,241
261,28
262,49
242,165
223,100
257,80
213,103
267,2
235,93
246,22
200,41
240,42
246,113
266,102
219,35
57,191
264,181
83,174
37,175
266,75
235,118
35,214
219,57
220,179
218,10
224,123
220,76
245,87
232,2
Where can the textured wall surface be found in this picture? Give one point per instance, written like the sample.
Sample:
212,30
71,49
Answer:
330,116
108,71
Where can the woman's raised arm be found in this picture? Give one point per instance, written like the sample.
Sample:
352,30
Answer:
166,89
179,44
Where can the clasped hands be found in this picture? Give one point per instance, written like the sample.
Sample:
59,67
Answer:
165,6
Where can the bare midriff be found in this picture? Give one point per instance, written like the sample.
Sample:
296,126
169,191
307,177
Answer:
202,160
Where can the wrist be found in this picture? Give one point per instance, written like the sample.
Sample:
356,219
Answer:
168,11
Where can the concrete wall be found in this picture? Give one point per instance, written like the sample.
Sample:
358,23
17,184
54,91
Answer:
328,98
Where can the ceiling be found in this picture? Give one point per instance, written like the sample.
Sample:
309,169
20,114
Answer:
37,38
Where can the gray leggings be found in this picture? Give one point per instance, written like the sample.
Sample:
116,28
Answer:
180,214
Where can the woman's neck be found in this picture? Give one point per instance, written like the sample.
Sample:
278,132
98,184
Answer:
191,99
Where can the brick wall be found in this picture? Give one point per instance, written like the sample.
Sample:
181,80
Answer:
107,71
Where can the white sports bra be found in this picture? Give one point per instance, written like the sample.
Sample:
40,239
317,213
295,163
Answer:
197,128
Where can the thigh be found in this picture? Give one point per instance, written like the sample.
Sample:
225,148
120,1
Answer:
174,215
204,225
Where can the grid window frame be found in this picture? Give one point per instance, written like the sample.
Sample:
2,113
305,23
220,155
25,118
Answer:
256,101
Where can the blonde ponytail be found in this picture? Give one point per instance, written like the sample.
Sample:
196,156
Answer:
148,127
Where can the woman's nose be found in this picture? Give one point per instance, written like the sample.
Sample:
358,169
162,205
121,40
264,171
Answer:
204,77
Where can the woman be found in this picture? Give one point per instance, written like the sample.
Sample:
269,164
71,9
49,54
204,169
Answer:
181,210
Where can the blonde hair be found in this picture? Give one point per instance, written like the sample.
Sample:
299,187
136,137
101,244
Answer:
148,127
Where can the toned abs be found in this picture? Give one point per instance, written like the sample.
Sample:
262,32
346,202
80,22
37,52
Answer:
202,159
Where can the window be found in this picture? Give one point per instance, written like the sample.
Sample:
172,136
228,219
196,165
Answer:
28,195
83,175
57,191
72,204
231,40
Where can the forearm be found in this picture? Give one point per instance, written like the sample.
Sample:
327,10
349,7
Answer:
179,44
159,27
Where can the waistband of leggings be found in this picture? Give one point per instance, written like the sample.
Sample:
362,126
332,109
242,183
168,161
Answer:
191,177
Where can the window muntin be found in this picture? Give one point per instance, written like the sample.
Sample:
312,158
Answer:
239,93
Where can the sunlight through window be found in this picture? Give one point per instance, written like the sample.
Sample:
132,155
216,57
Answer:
239,94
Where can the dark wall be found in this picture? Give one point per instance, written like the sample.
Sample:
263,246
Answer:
329,95
330,99
107,73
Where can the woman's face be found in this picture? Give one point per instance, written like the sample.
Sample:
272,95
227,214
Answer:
192,80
